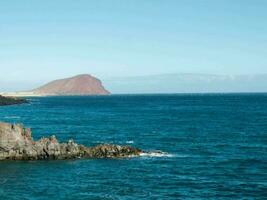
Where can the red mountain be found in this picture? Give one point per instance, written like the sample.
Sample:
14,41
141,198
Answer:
84,84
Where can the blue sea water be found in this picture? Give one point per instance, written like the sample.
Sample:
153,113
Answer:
215,147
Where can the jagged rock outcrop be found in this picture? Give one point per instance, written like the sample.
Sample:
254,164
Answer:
83,84
16,143
5,101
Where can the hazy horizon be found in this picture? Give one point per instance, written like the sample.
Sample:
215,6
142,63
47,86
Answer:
164,83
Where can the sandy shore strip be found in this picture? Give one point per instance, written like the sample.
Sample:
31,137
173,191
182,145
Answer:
21,94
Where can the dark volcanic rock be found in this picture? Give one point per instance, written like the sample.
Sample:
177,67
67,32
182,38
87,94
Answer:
4,101
16,143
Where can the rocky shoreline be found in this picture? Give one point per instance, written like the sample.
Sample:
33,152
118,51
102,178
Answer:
5,101
16,143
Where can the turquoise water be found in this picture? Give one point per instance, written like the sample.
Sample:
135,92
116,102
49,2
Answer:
215,147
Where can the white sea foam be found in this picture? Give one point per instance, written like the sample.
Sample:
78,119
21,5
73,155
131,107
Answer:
12,117
157,154
129,142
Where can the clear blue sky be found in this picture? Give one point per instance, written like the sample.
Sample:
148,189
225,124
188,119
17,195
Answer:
47,39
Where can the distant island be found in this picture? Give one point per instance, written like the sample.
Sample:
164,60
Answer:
187,83
83,84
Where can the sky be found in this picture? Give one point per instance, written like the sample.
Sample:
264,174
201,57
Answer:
44,40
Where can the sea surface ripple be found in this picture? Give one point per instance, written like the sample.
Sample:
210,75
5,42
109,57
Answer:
211,146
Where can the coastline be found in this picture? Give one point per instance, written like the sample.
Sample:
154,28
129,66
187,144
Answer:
6,101
21,94
16,143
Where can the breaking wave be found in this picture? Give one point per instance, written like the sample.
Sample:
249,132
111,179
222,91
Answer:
157,154
12,117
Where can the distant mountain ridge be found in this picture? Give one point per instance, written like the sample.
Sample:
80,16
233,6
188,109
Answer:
187,83
83,84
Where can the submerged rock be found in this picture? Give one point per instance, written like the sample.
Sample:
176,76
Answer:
16,143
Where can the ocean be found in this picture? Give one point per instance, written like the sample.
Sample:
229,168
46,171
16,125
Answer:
215,147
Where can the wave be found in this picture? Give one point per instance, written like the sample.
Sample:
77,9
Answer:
12,117
114,142
156,154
